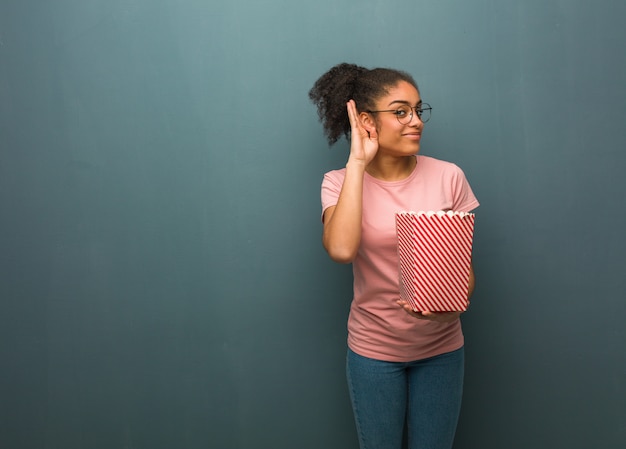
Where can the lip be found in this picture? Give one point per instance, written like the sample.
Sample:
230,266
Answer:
414,136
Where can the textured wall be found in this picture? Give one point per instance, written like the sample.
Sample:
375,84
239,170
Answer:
162,280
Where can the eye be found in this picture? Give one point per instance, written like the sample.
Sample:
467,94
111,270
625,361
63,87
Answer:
401,112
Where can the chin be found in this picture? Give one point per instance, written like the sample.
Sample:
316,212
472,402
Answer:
414,150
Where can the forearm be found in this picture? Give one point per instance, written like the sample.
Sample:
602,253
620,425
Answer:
472,282
342,228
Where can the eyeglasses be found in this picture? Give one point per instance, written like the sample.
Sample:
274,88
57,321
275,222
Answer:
404,113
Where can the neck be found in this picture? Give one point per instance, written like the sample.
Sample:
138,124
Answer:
391,168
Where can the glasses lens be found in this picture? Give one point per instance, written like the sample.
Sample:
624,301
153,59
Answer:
424,112
404,114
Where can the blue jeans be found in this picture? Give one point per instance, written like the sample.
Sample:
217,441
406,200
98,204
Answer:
425,395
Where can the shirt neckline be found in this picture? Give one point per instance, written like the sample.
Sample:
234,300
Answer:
392,183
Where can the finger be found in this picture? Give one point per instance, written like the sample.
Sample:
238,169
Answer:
355,121
407,308
405,305
352,113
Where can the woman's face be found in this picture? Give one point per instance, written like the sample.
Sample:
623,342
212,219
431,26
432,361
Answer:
395,138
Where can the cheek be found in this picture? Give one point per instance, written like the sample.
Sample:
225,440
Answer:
388,133
388,140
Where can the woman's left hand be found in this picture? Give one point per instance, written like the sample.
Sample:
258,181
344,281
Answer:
440,317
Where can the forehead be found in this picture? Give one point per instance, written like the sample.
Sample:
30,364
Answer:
402,92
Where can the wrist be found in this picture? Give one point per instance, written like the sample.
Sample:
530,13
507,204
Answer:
357,164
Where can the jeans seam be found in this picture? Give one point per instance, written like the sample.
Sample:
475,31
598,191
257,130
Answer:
355,405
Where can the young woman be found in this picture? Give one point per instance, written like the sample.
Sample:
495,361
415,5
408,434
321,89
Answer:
404,368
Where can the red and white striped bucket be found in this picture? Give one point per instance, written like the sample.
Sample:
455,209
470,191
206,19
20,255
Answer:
435,252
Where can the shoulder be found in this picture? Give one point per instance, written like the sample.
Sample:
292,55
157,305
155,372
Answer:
431,168
334,177
451,178
452,182
437,165
331,188
335,174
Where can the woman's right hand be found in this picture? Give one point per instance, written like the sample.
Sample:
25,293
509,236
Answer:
363,142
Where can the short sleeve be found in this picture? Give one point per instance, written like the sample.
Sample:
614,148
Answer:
463,196
331,188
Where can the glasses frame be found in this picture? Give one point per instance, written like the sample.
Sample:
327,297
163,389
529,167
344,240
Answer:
418,111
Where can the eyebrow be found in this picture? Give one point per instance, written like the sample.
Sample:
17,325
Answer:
404,102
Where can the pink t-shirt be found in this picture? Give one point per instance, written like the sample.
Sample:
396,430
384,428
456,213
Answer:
378,327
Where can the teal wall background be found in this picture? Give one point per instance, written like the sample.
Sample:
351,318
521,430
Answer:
162,280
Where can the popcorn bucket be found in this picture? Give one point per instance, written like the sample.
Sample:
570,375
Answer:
435,254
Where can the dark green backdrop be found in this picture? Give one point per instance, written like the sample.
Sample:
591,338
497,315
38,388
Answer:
162,279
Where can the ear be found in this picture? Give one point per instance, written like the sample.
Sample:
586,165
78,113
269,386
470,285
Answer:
367,122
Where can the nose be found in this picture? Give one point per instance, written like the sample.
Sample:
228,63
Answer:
415,115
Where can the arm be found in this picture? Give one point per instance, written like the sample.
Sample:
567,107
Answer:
472,283
342,222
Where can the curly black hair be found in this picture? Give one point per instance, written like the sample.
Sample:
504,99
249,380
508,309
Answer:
345,82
